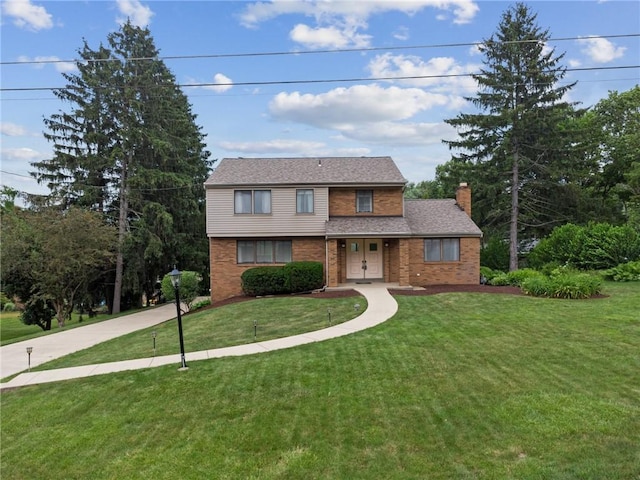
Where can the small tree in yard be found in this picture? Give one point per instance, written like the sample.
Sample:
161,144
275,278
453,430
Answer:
189,288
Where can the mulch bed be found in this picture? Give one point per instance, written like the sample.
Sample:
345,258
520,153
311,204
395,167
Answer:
435,289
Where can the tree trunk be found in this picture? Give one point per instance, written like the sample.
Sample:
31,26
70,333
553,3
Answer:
513,226
122,230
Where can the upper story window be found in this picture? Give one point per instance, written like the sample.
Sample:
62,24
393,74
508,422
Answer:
364,201
252,201
304,200
442,250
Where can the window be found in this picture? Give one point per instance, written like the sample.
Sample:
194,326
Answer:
242,201
364,201
252,201
262,201
264,251
304,200
442,250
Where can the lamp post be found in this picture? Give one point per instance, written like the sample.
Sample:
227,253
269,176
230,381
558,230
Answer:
175,276
29,350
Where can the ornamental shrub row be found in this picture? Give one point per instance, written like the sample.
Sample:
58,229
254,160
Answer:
294,277
560,283
596,246
568,285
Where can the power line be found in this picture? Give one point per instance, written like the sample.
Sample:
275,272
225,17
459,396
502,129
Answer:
313,52
318,81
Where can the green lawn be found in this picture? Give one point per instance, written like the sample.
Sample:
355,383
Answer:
455,386
226,326
13,330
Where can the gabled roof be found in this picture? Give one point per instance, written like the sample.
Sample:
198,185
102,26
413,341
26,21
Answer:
327,171
439,218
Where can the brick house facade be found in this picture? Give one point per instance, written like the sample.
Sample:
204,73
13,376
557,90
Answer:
348,213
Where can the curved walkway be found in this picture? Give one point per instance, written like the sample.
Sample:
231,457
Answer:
381,306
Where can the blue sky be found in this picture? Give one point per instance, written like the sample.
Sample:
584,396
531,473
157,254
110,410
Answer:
401,118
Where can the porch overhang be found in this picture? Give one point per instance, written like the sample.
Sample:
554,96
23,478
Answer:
367,227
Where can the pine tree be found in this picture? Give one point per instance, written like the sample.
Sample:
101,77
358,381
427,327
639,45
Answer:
130,148
514,144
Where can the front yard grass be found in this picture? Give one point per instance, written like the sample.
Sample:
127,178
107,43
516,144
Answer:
455,386
225,326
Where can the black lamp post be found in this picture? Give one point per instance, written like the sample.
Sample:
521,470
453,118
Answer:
176,275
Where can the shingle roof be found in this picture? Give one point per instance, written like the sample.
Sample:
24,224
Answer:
306,171
367,226
439,218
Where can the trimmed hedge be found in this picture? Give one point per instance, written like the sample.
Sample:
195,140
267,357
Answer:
264,281
294,277
303,276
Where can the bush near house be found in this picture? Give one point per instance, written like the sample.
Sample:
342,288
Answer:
559,283
596,246
294,277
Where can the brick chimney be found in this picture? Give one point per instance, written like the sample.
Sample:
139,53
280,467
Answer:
463,198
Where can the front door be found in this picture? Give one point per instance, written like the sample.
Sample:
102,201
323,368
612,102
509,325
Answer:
364,258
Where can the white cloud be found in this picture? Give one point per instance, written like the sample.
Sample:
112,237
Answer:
27,15
139,15
223,83
402,33
366,113
23,153
573,63
600,50
41,61
12,130
440,74
341,107
279,146
339,24
463,10
328,37
401,134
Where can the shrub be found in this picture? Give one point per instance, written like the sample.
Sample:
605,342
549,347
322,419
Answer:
9,307
269,280
189,287
538,286
516,277
303,276
488,274
495,254
3,300
500,280
567,285
593,247
200,304
625,272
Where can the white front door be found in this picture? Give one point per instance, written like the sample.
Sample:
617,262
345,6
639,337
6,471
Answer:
364,258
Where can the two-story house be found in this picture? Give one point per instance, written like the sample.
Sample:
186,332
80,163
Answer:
347,212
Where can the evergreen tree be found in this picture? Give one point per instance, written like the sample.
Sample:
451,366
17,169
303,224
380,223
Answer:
514,146
130,148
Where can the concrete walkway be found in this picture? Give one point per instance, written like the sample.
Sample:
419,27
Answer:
381,307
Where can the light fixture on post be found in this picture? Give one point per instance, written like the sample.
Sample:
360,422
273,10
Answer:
176,276
29,350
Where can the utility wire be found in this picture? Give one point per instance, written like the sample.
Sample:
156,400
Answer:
317,81
316,52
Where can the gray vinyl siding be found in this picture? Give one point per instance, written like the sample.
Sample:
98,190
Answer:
283,220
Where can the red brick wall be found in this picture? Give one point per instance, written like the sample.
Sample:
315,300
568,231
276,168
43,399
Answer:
386,201
226,273
464,272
